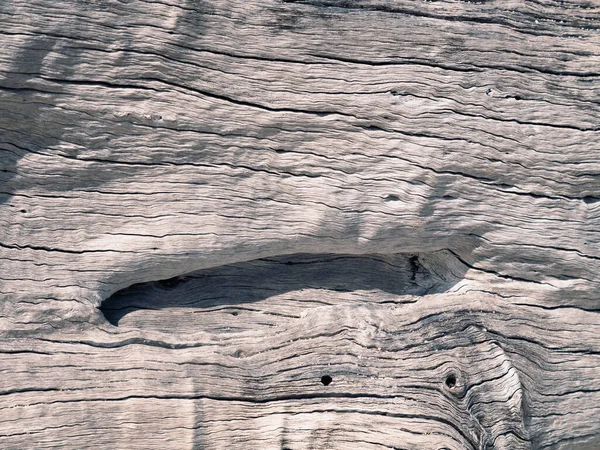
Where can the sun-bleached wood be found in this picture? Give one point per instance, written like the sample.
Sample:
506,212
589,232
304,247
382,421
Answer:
208,206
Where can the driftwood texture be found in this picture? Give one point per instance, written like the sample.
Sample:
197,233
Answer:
314,224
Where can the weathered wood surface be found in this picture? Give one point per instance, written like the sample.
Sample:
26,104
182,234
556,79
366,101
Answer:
401,195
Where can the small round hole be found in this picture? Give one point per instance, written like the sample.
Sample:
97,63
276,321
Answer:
326,380
451,380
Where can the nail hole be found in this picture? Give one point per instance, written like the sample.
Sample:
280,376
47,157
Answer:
326,380
171,283
234,313
392,198
451,380
23,211
518,97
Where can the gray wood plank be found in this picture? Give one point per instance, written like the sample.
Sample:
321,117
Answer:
208,206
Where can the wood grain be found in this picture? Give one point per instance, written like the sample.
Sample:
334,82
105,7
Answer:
208,206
